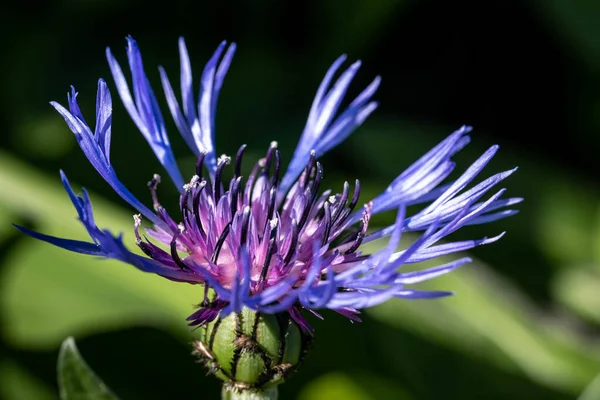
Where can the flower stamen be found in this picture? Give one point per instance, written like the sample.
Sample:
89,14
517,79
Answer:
220,242
152,185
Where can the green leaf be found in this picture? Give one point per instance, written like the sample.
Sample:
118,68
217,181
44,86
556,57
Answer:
592,392
76,379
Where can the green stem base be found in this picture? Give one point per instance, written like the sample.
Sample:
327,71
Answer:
230,392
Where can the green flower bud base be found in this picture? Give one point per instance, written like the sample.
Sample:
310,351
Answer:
252,352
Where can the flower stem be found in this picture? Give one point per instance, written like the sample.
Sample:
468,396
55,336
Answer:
230,392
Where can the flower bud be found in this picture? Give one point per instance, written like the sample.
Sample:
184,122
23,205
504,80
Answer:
251,349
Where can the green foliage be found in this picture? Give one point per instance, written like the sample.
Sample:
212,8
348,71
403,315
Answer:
592,392
76,379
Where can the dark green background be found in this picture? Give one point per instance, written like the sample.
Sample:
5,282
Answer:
526,74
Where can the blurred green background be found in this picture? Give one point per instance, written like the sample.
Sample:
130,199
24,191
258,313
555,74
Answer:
526,74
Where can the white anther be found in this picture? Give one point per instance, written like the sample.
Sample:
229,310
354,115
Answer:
224,159
193,183
273,223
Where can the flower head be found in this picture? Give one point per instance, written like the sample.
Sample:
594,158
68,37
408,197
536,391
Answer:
275,241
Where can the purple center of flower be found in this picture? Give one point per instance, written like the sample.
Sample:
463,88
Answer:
221,229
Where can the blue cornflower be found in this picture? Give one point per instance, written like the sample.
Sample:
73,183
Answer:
268,242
